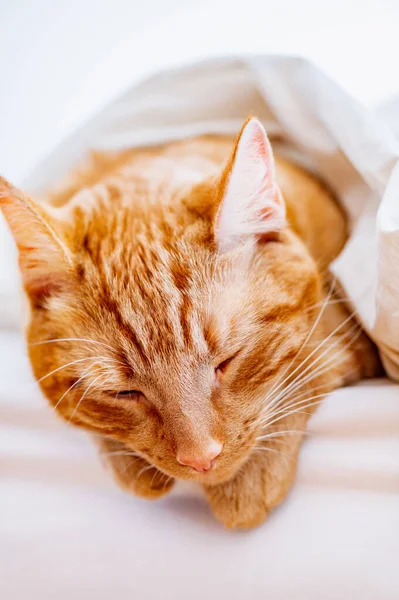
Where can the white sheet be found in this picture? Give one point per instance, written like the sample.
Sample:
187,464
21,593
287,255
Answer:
67,532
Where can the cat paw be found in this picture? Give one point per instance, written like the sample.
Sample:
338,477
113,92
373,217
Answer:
246,500
133,473
236,508
151,483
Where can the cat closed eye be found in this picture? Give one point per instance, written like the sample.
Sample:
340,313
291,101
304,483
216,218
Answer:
221,368
136,397
131,394
225,363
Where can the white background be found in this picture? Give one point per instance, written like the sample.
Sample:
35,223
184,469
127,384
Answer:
59,60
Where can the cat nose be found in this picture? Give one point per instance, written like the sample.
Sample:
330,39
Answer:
201,461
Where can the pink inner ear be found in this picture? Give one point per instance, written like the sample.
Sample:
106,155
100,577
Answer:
259,140
252,205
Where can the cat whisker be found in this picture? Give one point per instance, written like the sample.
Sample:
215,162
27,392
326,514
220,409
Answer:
315,360
266,414
73,362
84,396
120,453
273,434
284,409
298,410
340,300
294,406
298,393
302,397
279,383
87,374
300,383
129,464
298,407
298,396
273,450
167,481
143,470
323,367
153,477
299,377
278,441
87,340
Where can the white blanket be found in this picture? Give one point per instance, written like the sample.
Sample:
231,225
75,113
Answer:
67,532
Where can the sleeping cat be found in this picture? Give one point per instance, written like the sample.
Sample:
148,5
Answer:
181,309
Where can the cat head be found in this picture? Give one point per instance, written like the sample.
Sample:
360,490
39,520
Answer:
163,322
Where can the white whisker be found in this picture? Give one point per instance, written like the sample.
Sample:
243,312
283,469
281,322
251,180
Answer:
341,300
284,410
143,470
120,453
153,477
129,464
323,367
274,434
73,362
299,379
300,409
301,396
73,385
83,396
167,481
279,383
87,340
298,396
273,450
305,403
318,347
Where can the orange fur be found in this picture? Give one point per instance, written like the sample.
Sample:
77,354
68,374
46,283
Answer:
125,274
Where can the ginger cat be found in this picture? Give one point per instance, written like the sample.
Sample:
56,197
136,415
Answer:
181,307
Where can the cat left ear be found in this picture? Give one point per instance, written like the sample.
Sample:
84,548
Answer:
44,259
252,204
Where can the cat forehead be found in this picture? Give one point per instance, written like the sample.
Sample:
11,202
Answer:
162,309
158,305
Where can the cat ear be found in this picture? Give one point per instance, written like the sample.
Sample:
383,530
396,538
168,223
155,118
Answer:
44,259
252,204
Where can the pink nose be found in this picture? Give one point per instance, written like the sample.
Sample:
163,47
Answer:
201,461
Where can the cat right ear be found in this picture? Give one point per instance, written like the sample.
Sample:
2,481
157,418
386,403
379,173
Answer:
251,203
44,258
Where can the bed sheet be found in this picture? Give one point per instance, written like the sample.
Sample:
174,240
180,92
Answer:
67,532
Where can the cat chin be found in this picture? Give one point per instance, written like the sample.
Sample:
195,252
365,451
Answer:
215,476
207,479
